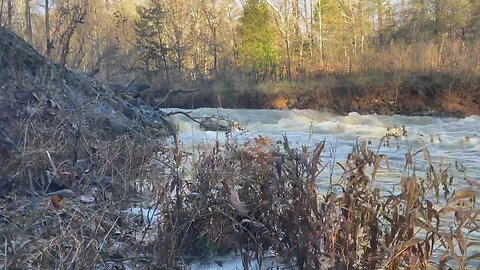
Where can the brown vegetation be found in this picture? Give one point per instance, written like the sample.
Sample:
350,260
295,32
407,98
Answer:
65,130
247,199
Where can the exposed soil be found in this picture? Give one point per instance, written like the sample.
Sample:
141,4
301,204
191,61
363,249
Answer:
435,94
407,94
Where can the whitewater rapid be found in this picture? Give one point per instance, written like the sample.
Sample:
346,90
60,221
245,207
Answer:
448,140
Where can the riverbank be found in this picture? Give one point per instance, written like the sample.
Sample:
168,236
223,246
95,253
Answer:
414,94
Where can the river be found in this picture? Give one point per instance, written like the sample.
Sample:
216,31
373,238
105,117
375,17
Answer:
448,140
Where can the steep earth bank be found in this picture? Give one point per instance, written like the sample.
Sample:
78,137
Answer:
50,113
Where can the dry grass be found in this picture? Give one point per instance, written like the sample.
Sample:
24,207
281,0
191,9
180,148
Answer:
250,199
47,148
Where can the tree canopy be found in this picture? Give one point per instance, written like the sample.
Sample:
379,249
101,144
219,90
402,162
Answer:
187,40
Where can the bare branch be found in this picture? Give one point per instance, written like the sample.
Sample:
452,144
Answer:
173,92
184,113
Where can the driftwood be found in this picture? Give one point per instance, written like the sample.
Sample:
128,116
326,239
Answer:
212,123
185,114
220,124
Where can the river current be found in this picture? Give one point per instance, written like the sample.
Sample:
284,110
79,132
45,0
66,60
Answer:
448,140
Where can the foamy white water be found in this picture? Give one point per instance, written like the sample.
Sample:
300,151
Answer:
447,139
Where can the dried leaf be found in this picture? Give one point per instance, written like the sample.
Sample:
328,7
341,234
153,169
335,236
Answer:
447,209
451,248
236,202
410,190
443,261
408,159
464,194
462,243
55,199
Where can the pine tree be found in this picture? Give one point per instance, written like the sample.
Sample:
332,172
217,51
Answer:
257,53
150,37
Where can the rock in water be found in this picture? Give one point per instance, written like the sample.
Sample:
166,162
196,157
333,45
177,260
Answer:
211,124
219,124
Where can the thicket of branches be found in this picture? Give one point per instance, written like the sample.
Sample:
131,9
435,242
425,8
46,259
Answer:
175,40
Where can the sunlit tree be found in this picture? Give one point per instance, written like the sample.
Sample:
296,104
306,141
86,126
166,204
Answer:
257,53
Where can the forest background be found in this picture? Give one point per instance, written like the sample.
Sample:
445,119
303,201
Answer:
373,56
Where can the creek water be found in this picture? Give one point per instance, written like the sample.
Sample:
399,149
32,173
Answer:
451,142
448,140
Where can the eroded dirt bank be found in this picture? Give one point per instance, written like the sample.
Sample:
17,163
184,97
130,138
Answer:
437,94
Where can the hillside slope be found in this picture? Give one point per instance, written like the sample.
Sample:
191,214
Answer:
47,108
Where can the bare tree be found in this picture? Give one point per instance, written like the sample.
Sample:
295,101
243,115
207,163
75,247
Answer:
296,18
9,13
28,22
76,14
283,20
47,30
180,24
1,11
212,14
320,31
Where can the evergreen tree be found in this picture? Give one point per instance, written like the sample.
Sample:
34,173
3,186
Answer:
150,36
257,53
450,15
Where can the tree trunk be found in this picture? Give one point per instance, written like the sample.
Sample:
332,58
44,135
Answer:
47,30
362,25
66,46
211,15
165,64
28,22
9,14
67,37
380,15
289,60
1,12
320,32
215,55
296,18
297,40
